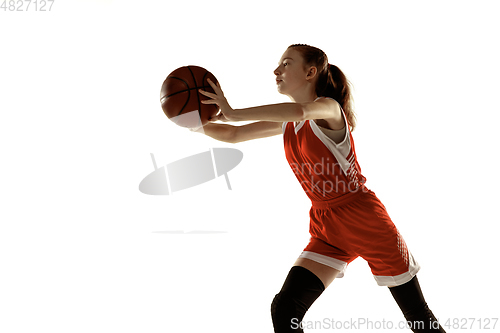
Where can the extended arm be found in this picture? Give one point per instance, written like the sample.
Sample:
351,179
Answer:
273,112
320,109
235,134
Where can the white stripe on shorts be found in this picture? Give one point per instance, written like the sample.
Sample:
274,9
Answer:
391,281
328,261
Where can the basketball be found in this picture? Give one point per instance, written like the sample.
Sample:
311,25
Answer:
180,99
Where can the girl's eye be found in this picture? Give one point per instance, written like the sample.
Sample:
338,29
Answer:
285,64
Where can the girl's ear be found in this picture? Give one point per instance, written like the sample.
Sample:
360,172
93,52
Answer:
311,73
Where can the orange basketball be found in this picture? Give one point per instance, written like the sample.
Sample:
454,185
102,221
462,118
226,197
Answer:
179,96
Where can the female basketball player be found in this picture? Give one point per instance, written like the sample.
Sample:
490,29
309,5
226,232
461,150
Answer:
347,220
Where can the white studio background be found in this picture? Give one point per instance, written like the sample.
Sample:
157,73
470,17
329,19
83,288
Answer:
81,249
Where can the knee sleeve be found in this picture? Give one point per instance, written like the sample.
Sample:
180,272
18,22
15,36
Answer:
300,290
414,307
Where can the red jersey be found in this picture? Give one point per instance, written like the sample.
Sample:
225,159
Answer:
347,220
325,169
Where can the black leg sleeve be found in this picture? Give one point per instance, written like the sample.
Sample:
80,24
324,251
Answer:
300,290
415,309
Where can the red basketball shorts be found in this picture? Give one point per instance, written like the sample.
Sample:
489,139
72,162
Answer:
358,225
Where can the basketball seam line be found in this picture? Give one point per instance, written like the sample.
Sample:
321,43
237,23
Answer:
196,84
178,92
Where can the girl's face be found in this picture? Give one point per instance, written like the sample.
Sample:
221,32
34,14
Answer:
291,75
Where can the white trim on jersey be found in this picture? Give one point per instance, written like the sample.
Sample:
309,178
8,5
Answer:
295,128
299,126
339,150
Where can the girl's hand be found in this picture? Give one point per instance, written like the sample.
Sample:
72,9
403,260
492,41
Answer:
227,112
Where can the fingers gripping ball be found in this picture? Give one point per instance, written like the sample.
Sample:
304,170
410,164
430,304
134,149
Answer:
180,99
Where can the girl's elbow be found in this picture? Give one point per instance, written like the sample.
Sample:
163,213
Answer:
301,112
